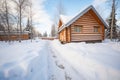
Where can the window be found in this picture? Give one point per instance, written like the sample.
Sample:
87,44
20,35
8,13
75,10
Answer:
96,28
78,28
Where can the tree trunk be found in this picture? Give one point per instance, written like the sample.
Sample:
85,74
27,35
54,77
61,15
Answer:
7,19
20,36
113,20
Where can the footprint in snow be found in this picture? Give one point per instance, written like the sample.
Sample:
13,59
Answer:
54,56
59,65
67,77
52,77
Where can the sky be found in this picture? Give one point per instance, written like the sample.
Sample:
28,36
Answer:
45,11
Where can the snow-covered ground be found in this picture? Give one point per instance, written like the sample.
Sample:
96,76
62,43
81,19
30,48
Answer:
99,61
50,60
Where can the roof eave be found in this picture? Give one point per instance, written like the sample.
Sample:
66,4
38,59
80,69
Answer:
80,14
61,28
106,26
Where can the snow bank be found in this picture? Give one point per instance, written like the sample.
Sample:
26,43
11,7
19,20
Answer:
15,58
99,61
44,60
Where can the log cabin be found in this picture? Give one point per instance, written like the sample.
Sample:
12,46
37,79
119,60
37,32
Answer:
86,26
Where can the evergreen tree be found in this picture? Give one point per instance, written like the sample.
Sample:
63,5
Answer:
111,31
119,36
53,31
28,25
45,34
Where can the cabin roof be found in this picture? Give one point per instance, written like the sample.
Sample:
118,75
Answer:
65,19
70,21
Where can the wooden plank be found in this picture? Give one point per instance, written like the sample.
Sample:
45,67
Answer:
88,21
86,37
87,33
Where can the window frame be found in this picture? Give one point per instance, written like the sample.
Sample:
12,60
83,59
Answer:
78,28
96,29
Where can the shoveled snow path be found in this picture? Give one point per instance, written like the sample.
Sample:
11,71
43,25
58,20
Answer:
40,62
50,66
59,68
39,66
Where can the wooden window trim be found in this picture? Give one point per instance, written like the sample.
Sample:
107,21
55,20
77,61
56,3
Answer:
98,29
76,27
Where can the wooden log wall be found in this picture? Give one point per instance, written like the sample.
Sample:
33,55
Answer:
13,37
88,22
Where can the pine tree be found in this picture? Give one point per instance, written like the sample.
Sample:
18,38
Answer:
119,36
45,34
28,25
111,31
53,31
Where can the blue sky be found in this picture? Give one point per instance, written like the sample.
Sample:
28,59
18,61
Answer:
70,6
45,10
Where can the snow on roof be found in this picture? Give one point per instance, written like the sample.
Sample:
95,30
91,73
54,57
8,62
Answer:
79,15
65,18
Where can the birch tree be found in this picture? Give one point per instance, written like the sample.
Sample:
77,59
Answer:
31,20
5,17
21,6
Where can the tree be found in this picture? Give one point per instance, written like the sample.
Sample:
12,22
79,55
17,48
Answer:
20,8
119,36
32,30
39,34
53,31
2,28
28,25
5,17
60,10
111,31
45,34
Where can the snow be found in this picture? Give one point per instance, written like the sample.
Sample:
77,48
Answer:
65,18
99,61
51,60
118,22
15,59
69,20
